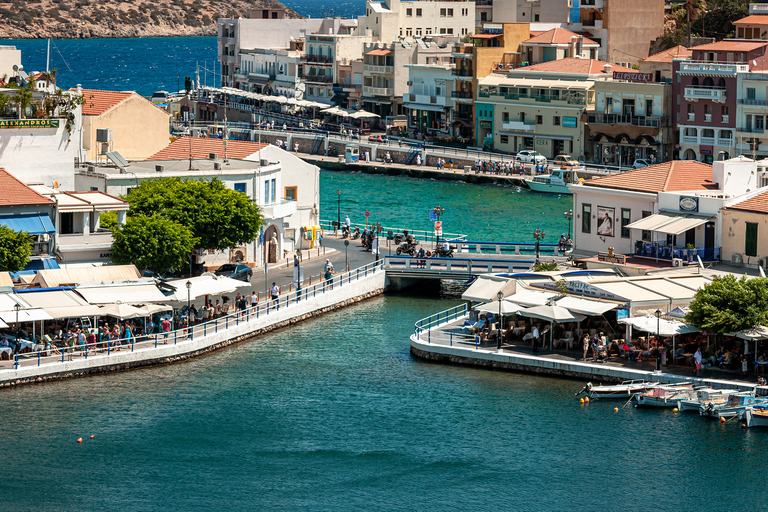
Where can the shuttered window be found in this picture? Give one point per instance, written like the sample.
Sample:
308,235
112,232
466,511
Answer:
750,243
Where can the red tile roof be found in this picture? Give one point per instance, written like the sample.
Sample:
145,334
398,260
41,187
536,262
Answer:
755,19
670,54
97,102
535,33
557,35
666,177
757,204
731,45
573,65
380,51
16,193
202,147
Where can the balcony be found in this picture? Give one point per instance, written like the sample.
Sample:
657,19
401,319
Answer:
705,93
318,79
691,116
648,121
712,69
726,118
285,208
462,74
425,99
320,59
688,139
752,101
707,118
96,239
592,4
379,70
752,130
594,24
378,91
724,142
707,141
519,126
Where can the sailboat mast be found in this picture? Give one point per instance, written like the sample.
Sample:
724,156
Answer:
48,58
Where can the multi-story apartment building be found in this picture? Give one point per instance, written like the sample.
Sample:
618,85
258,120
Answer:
631,120
754,26
705,93
385,77
320,63
268,71
540,107
660,64
558,43
389,19
348,88
751,115
531,11
429,103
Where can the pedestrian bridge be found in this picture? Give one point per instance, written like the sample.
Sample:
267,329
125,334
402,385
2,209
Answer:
403,271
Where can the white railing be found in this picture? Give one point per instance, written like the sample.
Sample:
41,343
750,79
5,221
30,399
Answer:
377,91
707,118
690,140
704,93
386,70
717,68
708,141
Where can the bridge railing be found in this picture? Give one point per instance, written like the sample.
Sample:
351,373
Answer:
469,266
420,234
468,247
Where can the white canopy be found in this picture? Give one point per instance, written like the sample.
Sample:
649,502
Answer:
155,308
127,293
759,332
507,307
25,315
486,288
648,323
123,311
3,325
555,314
528,297
669,223
60,303
204,285
362,114
585,306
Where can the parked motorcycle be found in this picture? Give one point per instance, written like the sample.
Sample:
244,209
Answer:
406,248
442,253
356,233
345,231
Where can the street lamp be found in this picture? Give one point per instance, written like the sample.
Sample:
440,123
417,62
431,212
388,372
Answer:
346,251
338,212
17,308
538,235
569,215
500,296
438,211
658,348
189,300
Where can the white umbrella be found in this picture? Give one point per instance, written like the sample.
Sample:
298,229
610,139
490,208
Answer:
122,311
155,308
651,324
507,307
362,114
554,314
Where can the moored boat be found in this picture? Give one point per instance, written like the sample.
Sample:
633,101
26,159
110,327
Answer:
623,390
555,183
756,416
704,396
735,404
665,396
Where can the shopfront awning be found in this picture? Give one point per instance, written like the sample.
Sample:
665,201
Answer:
59,303
32,223
669,223
204,285
652,222
418,106
487,288
682,224
585,306
530,298
24,315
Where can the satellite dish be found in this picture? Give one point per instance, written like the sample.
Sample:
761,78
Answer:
55,184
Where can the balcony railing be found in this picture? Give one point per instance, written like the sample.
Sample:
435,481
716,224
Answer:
587,23
690,139
704,93
322,59
649,121
320,79
752,130
707,118
377,91
712,68
691,116
724,142
752,101
461,94
654,250
462,73
708,141
726,117
385,70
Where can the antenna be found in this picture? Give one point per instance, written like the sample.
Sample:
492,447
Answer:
762,272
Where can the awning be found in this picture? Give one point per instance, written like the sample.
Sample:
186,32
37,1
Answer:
32,223
585,306
669,223
60,303
418,106
127,294
530,298
652,222
755,333
651,324
556,314
204,285
681,225
507,307
485,36
25,315
487,288
123,311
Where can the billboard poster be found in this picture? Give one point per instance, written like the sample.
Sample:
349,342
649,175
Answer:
605,220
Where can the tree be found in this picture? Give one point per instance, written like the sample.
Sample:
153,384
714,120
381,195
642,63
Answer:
544,267
220,217
108,220
152,242
15,248
728,304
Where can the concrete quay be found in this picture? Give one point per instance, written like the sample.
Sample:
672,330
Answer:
345,289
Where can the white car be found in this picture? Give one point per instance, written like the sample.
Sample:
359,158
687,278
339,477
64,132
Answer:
640,162
531,157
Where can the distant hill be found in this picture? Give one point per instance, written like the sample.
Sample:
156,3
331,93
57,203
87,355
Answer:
77,19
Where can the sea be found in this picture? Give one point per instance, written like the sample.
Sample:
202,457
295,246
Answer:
334,413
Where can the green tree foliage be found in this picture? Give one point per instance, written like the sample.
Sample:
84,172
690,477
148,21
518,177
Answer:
15,248
544,267
220,217
152,242
108,220
728,304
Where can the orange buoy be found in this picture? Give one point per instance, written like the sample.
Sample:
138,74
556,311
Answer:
743,425
615,409
722,420
79,439
92,437
586,399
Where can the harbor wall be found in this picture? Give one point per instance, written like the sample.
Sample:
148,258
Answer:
146,354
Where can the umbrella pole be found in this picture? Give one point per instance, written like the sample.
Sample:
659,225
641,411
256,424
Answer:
551,334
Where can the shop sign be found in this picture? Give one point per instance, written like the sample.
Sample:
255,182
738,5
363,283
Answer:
569,122
688,204
29,123
633,77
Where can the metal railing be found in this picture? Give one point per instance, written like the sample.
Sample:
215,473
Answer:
419,234
468,247
455,266
432,322
52,354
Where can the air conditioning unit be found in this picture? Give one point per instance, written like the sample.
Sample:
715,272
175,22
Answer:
159,168
677,262
91,168
408,83
216,166
104,135
213,156
263,162
736,258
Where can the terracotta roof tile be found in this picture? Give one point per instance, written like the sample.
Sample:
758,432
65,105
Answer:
97,102
670,54
557,35
757,204
202,147
16,193
731,45
573,65
755,19
665,177
535,33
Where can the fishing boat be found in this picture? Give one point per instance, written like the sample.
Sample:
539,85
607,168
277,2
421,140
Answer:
755,416
735,404
555,183
705,395
665,396
624,390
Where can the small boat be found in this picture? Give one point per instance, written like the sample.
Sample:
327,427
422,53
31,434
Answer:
735,404
755,416
624,390
555,183
665,396
704,396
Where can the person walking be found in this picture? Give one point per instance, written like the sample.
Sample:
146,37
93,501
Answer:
254,299
595,343
274,292
585,342
697,361
535,347
165,326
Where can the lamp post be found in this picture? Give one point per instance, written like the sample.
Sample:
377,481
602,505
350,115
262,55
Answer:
17,308
539,235
189,300
569,215
658,349
438,210
338,212
346,251
500,296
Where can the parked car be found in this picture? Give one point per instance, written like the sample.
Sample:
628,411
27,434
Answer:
640,162
531,157
565,161
235,271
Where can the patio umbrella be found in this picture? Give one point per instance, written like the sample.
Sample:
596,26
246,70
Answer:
507,307
554,314
155,308
648,323
362,114
122,311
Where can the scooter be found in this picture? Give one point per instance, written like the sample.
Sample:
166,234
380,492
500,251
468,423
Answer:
345,231
406,248
442,253
356,233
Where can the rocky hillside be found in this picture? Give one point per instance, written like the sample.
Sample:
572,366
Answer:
75,19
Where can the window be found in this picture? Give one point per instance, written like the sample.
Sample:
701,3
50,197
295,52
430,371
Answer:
625,216
759,123
586,218
408,31
240,187
274,189
646,235
442,12
750,93
418,31
750,243
539,120
505,116
428,30
418,13
266,192
409,12
536,18
556,120
504,139
291,193
450,12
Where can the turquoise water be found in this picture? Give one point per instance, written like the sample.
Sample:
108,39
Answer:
483,212
333,414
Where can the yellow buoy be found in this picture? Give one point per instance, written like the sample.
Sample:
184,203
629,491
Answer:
635,406
675,409
722,420
615,409
581,400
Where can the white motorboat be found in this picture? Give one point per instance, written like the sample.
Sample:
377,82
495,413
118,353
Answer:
665,396
735,404
555,183
624,390
755,417
704,396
